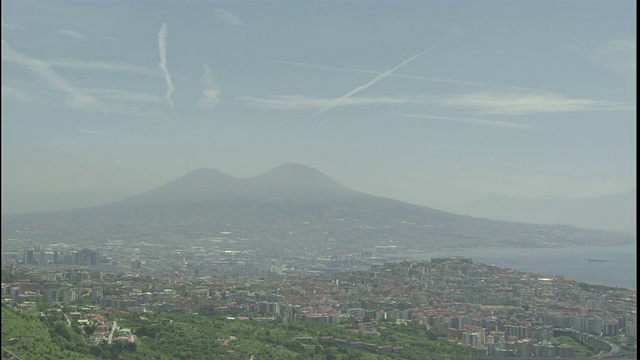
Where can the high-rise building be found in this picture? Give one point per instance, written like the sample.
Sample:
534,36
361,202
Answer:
68,296
28,256
96,293
51,296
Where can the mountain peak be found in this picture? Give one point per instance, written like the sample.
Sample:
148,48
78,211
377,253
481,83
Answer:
293,180
295,169
290,181
199,184
294,166
204,170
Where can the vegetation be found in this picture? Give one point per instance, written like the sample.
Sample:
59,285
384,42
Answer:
178,336
581,350
30,336
593,288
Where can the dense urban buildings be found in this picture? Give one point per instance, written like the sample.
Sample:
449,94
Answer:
502,311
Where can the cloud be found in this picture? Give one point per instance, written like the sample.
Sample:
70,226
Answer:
297,102
521,104
78,99
481,122
412,77
227,17
324,67
71,33
101,66
211,90
123,95
82,97
127,100
12,27
358,89
162,47
377,79
16,94
110,38
617,56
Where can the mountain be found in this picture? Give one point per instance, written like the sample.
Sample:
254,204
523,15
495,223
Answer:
16,202
201,184
294,182
291,206
607,212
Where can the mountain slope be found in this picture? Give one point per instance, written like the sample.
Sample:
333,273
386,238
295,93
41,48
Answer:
292,182
608,212
297,182
294,207
27,335
201,184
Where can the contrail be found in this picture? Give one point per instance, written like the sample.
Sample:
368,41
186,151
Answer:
73,34
413,77
228,17
481,122
79,98
210,94
378,78
162,47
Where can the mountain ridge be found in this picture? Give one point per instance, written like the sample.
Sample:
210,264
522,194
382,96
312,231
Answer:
606,212
293,206
291,180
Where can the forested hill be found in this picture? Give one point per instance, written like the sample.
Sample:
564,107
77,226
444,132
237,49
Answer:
28,335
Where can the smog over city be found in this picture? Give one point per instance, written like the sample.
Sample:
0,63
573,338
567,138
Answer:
318,180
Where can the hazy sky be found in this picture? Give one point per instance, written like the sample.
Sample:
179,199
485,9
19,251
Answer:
436,103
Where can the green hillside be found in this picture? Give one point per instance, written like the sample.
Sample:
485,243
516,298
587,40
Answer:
29,335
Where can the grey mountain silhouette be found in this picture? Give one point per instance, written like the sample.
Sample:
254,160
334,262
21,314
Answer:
294,206
289,182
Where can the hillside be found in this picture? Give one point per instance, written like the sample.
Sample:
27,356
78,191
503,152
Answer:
292,206
28,336
179,336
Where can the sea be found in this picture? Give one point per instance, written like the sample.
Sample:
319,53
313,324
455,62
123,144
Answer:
597,265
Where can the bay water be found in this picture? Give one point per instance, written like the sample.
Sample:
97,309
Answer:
598,265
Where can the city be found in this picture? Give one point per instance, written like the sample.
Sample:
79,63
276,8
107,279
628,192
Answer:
502,312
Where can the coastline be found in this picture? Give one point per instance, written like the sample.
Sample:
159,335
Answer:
618,268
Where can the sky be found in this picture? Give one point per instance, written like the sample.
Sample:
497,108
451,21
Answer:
436,103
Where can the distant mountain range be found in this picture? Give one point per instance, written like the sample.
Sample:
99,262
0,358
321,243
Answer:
17,202
608,212
291,206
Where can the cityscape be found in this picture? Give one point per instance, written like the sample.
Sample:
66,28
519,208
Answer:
318,180
497,311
